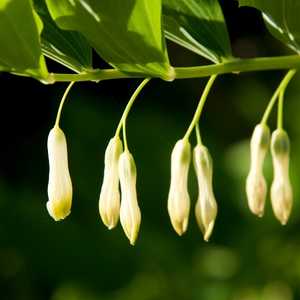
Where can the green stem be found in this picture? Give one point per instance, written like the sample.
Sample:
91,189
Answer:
198,136
233,66
62,101
282,86
280,110
127,110
125,136
200,106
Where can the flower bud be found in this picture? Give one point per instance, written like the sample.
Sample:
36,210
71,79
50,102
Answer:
256,187
206,205
178,199
130,215
281,189
109,201
59,185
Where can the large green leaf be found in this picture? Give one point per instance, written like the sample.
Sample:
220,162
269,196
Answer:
127,34
199,26
20,29
68,48
282,19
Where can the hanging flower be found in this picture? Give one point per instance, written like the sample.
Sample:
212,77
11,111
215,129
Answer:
281,189
178,199
256,187
206,205
130,215
109,201
59,185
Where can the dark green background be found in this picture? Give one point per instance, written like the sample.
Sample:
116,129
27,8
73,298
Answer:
247,258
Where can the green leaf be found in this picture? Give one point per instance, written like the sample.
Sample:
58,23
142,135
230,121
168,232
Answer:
68,48
127,34
199,26
20,50
281,18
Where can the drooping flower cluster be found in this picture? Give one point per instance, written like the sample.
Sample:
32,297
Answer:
179,199
256,187
120,168
118,196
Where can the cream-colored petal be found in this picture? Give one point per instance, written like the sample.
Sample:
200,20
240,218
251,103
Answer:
256,186
206,205
59,185
130,215
179,199
109,200
281,189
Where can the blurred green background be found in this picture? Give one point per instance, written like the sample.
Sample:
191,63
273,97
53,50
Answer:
79,259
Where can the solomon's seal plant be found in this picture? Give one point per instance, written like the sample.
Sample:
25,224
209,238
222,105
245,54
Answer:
67,32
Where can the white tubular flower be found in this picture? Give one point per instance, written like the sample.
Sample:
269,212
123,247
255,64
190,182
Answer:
109,201
179,199
130,215
206,205
256,187
281,189
59,185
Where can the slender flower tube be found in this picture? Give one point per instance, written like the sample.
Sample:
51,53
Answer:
256,187
179,199
206,205
281,189
109,201
130,215
59,185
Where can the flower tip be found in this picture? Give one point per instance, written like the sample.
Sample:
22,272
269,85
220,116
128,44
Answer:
57,213
283,222
132,242
132,236
110,221
131,233
208,231
284,218
261,214
111,226
180,226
